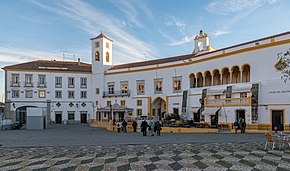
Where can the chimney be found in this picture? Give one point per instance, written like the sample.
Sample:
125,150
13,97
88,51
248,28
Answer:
79,61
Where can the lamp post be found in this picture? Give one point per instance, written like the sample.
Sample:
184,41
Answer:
111,112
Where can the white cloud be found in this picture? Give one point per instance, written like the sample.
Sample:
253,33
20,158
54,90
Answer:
92,20
220,32
183,40
226,7
175,22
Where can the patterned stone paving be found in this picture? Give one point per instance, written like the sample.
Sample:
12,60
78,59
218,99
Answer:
184,157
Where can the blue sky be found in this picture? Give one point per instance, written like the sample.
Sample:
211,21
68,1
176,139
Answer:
41,29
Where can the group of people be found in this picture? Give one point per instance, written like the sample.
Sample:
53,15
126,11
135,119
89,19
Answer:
152,127
240,124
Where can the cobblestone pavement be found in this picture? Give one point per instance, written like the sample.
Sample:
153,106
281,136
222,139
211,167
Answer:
184,156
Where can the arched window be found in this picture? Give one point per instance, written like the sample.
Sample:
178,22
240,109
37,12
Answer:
216,77
246,73
192,81
226,76
235,74
107,57
97,56
199,79
207,77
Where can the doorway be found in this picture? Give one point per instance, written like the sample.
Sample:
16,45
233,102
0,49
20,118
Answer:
83,118
240,114
58,118
214,121
277,120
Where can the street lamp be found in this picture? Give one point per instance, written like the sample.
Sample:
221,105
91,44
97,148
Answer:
111,112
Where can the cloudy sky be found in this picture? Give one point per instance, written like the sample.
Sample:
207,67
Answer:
47,29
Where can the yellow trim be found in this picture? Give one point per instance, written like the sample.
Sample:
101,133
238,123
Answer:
156,99
272,40
243,66
97,103
223,51
212,73
282,42
205,72
234,67
223,70
123,101
137,111
139,104
109,101
194,94
284,116
191,75
166,109
149,106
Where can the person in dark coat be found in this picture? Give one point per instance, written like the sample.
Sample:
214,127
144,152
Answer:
134,125
236,126
243,126
124,125
144,126
158,128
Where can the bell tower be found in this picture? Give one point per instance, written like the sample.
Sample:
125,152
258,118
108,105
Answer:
101,53
201,43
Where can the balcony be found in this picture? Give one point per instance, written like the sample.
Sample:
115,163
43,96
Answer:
14,84
41,84
116,93
228,102
28,84
83,86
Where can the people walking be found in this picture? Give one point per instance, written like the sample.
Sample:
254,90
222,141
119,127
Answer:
158,128
134,125
243,126
124,125
152,126
144,126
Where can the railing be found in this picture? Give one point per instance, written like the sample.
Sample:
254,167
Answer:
116,93
71,86
228,102
14,84
83,86
28,84
41,84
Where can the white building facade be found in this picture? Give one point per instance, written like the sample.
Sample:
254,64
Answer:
208,86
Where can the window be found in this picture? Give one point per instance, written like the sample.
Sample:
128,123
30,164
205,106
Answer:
83,82
123,103
71,94
111,88
58,82
217,96
97,56
15,93
139,112
71,82
107,45
28,93
97,91
97,44
176,84
109,103
140,87
107,57
15,80
83,94
71,115
97,103
41,81
243,95
124,87
139,102
58,94
28,80
41,93
158,86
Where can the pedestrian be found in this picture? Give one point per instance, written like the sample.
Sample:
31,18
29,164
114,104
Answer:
124,125
158,128
118,125
236,126
134,125
152,126
114,124
144,126
243,126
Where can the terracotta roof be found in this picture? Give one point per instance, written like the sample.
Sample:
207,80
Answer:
51,65
101,36
188,56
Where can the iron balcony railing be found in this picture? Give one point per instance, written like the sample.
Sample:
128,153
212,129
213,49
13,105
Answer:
117,93
41,84
14,84
28,84
228,102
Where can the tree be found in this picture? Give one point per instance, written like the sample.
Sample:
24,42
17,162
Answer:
283,65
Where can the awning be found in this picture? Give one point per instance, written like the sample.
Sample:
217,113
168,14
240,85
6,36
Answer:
216,91
241,88
210,110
